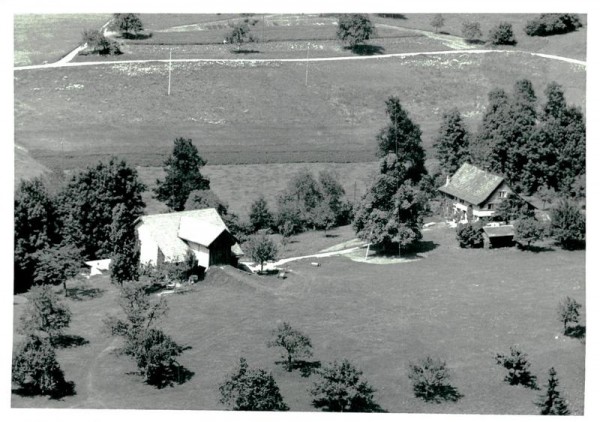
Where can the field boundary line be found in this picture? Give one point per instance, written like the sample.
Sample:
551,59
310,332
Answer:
299,60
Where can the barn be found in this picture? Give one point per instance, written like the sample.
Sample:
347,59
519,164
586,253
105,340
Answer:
170,237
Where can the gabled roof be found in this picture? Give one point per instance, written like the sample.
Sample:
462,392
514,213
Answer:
169,230
500,231
472,184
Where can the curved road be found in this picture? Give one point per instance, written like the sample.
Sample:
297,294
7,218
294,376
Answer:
64,63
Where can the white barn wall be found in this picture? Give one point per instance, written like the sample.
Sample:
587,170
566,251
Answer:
202,254
148,247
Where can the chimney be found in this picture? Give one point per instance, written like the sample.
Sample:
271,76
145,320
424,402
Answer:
447,180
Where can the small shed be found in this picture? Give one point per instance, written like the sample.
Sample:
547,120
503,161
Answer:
498,236
97,266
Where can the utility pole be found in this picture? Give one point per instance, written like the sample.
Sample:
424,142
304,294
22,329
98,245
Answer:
169,88
306,79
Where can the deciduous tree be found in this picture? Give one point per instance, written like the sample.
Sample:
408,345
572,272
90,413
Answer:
200,199
183,175
125,259
568,312
296,344
513,207
528,230
240,33
261,249
44,313
129,24
568,225
342,388
260,216
437,22
251,389
431,381
355,29
471,31
502,34
56,264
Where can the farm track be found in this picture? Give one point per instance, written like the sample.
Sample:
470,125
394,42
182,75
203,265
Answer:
62,64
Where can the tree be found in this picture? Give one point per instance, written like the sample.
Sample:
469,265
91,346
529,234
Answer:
286,230
98,43
183,175
129,24
44,313
431,381
200,199
568,312
469,235
262,249
35,229
552,23
87,202
513,207
323,217
547,195
260,216
471,31
125,259
294,342
355,29
36,370
437,22
402,137
56,264
502,34
568,225
297,202
343,389
251,389
552,403
452,142
153,350
240,33
518,368
528,230
333,195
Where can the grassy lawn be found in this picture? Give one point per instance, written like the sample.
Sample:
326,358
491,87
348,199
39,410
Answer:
571,45
47,38
236,113
461,305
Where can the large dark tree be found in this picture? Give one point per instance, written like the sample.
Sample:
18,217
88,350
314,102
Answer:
354,29
125,257
35,229
56,264
86,205
452,142
260,216
129,24
200,199
402,137
183,175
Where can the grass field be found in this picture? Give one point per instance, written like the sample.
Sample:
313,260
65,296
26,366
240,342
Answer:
240,113
240,185
47,38
460,305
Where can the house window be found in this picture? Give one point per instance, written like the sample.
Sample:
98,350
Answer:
503,194
490,206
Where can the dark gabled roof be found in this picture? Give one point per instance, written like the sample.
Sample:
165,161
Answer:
472,184
500,231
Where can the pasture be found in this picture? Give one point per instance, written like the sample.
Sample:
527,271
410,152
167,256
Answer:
460,305
256,113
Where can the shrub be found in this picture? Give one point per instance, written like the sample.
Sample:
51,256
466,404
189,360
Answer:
568,225
471,31
251,389
342,389
431,381
45,312
469,235
502,34
36,370
518,368
295,343
528,230
98,43
568,312
551,403
552,23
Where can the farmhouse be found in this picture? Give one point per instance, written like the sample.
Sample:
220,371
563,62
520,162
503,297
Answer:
169,238
471,189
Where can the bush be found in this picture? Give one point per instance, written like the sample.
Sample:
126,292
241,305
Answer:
98,43
518,368
471,31
342,389
552,23
568,225
36,370
45,313
502,34
431,381
469,235
294,342
568,312
528,230
251,389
